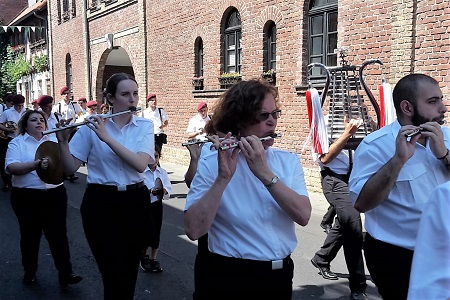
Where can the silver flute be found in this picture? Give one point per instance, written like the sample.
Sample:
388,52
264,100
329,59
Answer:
197,141
419,130
263,139
105,116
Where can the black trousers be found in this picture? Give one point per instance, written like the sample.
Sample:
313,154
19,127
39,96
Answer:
42,211
159,140
156,210
117,227
389,266
6,178
346,232
200,265
234,278
328,217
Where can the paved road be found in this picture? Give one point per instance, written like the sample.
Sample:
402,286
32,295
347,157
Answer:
176,256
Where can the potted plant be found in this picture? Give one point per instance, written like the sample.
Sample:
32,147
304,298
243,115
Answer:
197,82
270,75
228,79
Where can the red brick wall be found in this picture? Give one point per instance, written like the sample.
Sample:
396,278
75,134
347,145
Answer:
160,44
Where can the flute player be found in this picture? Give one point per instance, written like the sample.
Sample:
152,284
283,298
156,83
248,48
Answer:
393,176
248,199
116,204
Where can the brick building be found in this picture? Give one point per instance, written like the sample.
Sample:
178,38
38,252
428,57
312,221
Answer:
165,44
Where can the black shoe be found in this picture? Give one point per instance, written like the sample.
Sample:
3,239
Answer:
155,267
29,278
324,271
326,227
65,280
358,296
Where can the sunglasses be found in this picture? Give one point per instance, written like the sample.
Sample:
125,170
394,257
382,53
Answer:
265,115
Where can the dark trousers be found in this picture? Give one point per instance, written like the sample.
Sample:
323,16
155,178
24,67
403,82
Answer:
328,217
6,178
156,210
346,232
235,278
389,267
117,227
200,265
159,140
42,211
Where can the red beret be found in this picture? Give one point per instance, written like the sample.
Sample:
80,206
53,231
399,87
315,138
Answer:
103,105
201,105
18,99
44,100
82,99
63,90
91,103
34,101
150,96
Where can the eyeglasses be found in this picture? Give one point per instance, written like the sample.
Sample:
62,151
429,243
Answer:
265,115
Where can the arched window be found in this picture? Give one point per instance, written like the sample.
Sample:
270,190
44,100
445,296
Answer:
199,57
232,38
322,38
69,77
270,46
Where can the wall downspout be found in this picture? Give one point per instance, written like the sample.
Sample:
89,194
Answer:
87,49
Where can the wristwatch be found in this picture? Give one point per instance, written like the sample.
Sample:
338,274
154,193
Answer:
272,182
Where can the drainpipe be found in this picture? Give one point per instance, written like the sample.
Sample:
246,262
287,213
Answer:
87,49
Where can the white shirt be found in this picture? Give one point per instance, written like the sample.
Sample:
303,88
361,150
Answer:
104,166
396,219
22,149
12,115
150,178
249,223
154,115
430,271
67,111
196,123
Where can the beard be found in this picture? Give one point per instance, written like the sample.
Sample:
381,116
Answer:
418,119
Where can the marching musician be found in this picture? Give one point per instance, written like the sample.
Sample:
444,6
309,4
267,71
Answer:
46,104
82,102
65,107
154,171
196,126
347,229
393,175
39,207
91,109
116,203
8,123
248,200
159,118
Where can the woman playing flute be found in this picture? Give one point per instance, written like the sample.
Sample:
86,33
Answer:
248,200
116,205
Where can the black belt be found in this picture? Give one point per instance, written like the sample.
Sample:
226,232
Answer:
263,265
328,172
120,188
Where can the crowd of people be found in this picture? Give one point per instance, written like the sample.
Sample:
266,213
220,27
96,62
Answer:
398,177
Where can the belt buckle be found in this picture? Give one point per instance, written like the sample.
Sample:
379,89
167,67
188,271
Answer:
121,188
277,264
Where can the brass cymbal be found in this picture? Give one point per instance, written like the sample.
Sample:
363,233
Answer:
54,174
159,187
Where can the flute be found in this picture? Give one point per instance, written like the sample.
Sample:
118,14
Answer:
419,130
105,116
197,141
263,139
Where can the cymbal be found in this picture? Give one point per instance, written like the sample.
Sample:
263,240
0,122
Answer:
159,186
54,174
